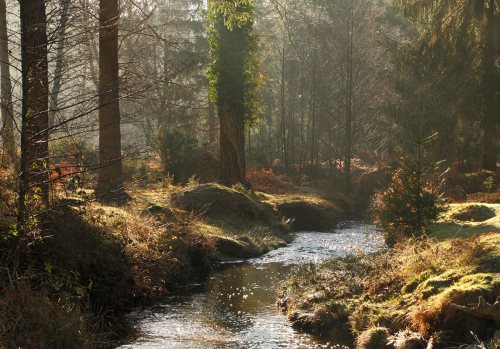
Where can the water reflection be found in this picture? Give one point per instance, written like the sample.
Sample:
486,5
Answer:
236,308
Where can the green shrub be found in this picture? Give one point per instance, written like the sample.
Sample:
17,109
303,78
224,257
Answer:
73,151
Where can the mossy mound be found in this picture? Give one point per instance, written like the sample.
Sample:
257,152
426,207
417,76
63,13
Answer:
309,216
474,213
219,203
435,284
373,338
126,257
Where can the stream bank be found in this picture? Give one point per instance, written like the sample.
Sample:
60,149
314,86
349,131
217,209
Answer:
424,290
95,261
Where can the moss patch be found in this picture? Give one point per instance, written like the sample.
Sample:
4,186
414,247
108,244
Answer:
306,216
218,203
307,212
410,286
437,312
467,219
474,213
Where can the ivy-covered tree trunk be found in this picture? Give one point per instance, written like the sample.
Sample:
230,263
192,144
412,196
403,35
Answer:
34,178
230,103
232,80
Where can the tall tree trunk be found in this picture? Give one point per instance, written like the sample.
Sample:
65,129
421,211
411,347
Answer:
110,181
302,112
284,152
313,114
61,40
291,126
490,88
349,92
164,115
34,185
7,131
91,54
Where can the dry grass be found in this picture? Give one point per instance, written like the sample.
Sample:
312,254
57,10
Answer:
410,286
491,198
160,251
265,180
34,319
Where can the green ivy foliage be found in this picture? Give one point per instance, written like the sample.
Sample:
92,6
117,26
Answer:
233,73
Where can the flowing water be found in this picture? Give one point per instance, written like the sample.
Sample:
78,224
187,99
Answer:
236,308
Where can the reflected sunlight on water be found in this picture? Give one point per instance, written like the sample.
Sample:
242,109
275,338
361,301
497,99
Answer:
236,308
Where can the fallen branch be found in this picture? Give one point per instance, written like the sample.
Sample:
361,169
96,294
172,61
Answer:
482,310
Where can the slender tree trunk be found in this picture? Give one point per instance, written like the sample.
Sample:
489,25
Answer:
284,152
490,86
330,145
313,114
90,54
110,181
33,184
302,108
291,128
269,135
61,41
7,130
349,92
163,116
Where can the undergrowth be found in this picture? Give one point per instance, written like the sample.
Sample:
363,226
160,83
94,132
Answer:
73,284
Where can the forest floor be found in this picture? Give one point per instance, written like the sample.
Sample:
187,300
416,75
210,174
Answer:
94,261
422,290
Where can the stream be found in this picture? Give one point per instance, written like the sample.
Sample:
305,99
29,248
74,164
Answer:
236,308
